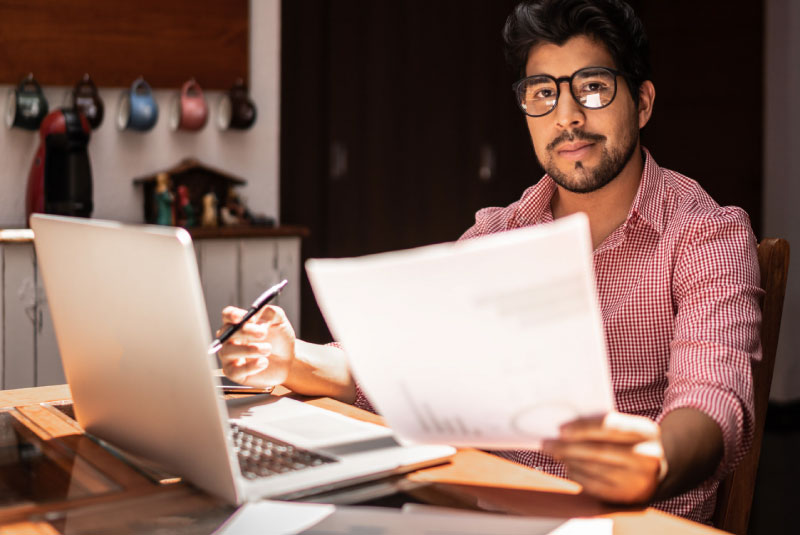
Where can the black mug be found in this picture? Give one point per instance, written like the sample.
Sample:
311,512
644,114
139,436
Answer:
86,99
26,105
236,110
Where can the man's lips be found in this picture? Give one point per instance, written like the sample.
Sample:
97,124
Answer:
574,151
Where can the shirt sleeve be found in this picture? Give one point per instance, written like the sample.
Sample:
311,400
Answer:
361,401
716,292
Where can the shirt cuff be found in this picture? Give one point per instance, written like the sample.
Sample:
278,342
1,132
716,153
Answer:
726,410
361,401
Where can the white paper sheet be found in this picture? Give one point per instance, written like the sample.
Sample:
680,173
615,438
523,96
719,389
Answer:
485,523
275,518
386,521
492,343
288,518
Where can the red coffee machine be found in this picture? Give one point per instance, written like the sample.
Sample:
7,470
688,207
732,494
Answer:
60,181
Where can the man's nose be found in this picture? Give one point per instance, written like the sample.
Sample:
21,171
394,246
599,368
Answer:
568,113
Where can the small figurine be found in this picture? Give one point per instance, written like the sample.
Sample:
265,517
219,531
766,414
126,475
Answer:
236,206
209,210
227,218
186,213
164,201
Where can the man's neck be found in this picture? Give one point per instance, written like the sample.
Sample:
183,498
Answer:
607,207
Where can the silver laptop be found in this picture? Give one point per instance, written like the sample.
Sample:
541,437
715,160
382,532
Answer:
133,333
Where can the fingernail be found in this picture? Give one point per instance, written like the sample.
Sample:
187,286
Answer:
240,361
262,362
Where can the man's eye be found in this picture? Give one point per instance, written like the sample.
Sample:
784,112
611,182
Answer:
540,93
593,87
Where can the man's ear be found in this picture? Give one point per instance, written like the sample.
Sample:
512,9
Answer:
647,96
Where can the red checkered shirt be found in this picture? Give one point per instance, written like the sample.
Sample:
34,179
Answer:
678,287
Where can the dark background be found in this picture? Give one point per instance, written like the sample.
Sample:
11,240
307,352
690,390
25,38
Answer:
389,111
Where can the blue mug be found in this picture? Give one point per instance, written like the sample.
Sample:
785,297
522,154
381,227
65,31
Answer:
138,109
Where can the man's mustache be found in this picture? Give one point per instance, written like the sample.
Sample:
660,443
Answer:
572,135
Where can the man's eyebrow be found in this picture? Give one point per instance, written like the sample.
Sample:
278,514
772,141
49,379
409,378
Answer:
540,76
591,71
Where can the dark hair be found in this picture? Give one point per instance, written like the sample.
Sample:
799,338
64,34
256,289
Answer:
611,22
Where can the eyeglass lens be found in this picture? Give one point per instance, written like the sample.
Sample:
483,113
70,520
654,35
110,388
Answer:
593,88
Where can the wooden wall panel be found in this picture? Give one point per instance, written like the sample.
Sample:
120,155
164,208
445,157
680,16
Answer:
219,275
258,268
289,268
19,281
115,41
49,370
3,248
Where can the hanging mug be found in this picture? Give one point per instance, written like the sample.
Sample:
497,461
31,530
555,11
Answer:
236,109
26,105
138,109
86,99
189,109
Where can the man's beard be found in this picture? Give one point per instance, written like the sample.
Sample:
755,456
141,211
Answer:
611,162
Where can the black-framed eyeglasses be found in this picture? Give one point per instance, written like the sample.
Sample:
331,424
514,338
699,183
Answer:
591,87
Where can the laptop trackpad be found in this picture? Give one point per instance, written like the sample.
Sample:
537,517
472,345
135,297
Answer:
304,424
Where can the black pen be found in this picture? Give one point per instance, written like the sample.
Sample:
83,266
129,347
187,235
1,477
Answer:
257,305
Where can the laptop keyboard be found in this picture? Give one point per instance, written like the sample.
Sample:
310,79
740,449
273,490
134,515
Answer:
263,456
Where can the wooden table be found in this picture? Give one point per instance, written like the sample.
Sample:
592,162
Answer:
103,494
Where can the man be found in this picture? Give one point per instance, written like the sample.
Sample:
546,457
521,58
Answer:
677,275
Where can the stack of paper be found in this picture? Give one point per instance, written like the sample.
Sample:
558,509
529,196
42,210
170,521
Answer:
492,343
286,518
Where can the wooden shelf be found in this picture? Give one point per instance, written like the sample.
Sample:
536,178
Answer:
200,233
16,235
26,235
115,41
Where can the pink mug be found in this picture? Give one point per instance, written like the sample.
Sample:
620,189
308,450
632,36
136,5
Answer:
190,111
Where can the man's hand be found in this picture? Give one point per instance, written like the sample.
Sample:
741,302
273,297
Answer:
617,458
265,352
261,353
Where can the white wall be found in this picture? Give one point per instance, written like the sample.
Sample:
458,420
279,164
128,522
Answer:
782,175
118,157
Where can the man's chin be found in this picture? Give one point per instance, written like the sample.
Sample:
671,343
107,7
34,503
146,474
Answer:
582,181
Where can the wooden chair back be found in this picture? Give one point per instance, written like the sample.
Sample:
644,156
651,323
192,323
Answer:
735,496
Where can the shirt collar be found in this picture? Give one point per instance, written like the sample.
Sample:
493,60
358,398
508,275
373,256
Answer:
534,206
647,206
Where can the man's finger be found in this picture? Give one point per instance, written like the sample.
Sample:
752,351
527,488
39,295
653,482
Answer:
249,333
243,367
231,351
232,314
612,483
593,481
272,315
613,427
607,454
